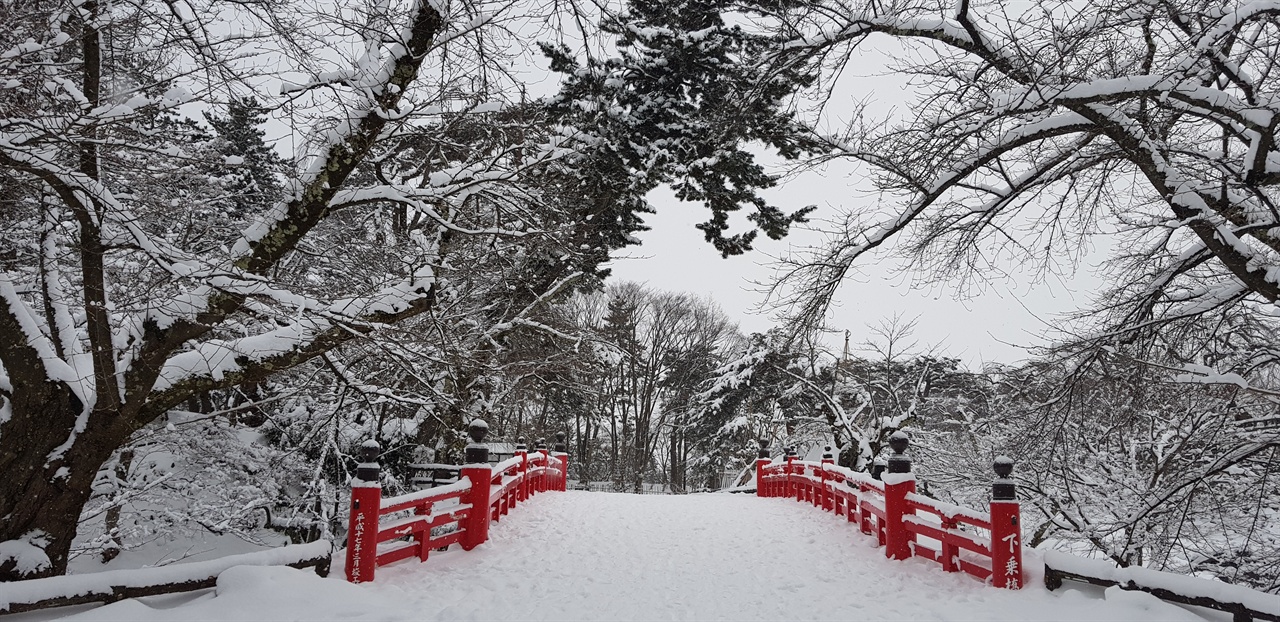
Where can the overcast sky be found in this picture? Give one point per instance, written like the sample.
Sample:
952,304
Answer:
995,324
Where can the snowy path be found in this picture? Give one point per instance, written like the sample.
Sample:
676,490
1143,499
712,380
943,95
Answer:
599,556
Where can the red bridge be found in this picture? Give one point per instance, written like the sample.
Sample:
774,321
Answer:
616,556
905,523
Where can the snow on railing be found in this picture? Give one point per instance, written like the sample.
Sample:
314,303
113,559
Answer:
386,530
890,508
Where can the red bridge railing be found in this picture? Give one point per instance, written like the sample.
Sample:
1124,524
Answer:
386,530
899,517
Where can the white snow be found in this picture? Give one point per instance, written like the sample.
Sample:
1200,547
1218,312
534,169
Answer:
261,593
893,479
601,556
26,557
949,510
105,582
1181,584
440,492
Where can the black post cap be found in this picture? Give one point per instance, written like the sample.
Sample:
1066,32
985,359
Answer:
899,442
1003,488
477,430
763,453
791,452
477,452
561,446
1003,467
826,454
898,462
369,451
542,444
877,468
520,446
368,470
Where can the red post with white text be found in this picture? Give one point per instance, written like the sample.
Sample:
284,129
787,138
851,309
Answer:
1006,528
362,526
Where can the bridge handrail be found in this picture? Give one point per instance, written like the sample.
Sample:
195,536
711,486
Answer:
410,500
949,512
948,534
851,476
835,472
538,458
892,510
887,505
460,512
510,463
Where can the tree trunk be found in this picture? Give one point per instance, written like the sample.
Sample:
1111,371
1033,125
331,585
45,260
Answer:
41,498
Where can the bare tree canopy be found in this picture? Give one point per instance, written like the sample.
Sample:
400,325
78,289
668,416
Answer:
1153,123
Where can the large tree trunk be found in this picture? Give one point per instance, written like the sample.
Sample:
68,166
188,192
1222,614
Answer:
45,486
45,512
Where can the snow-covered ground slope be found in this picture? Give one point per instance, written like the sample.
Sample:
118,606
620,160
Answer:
602,556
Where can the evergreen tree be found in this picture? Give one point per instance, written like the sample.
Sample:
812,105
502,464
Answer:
671,108
250,168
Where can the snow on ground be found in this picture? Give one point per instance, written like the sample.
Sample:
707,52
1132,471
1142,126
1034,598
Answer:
603,556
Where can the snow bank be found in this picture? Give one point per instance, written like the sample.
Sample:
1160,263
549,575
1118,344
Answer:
1183,585
104,586
26,557
263,593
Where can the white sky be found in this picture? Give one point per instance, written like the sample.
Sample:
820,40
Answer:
994,325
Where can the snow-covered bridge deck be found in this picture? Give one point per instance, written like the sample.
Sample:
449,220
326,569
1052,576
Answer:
601,556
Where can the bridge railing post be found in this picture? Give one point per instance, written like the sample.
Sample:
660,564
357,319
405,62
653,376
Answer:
762,461
793,482
898,482
362,526
423,537
541,481
1006,528
562,454
522,489
828,494
478,471
948,551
